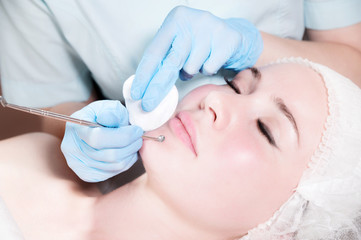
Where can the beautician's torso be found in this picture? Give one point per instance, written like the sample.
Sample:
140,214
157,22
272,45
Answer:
43,195
106,38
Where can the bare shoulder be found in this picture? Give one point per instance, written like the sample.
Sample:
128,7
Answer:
30,150
33,153
28,142
40,190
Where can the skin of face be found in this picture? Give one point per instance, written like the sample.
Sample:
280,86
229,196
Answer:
222,174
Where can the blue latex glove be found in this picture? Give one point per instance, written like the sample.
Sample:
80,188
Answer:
96,154
193,40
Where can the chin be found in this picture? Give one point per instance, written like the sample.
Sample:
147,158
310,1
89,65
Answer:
147,149
151,150
151,147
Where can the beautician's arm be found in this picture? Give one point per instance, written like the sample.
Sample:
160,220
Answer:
57,128
339,49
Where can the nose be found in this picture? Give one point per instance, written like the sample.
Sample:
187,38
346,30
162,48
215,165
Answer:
218,106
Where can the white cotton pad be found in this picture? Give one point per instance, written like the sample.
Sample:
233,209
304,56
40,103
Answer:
149,120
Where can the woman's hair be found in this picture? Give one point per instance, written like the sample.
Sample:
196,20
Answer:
327,201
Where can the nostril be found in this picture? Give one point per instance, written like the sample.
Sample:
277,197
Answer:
214,114
201,105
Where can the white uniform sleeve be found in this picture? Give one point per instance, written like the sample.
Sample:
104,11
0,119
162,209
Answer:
331,14
38,67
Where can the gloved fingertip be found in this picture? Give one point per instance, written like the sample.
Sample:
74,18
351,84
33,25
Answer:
148,105
90,179
139,131
184,76
136,93
206,71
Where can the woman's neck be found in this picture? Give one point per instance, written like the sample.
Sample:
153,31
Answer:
136,212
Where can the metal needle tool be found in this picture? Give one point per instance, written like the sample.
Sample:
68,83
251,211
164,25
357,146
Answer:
65,118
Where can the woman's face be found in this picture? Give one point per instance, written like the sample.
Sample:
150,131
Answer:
231,160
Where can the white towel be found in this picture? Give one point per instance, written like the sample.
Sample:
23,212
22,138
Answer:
8,227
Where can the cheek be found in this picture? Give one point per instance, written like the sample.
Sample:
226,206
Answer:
231,177
195,96
235,165
235,150
240,171
234,177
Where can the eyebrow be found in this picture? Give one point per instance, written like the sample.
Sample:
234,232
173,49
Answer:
256,73
257,76
285,110
279,102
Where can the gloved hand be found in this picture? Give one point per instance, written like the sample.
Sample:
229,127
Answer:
96,154
193,40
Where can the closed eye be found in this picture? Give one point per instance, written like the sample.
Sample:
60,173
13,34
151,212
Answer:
265,131
263,128
232,85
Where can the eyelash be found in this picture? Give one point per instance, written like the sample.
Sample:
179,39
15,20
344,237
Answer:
232,85
263,129
266,132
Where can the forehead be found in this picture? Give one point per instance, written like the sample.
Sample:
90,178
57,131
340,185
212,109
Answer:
303,91
292,74
294,82
300,86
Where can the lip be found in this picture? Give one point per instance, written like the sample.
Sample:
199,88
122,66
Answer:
182,126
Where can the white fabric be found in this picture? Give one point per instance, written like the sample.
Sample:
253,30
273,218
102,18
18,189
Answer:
149,120
50,50
327,201
8,228
331,14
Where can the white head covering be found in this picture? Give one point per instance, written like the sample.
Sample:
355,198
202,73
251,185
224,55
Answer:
327,202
